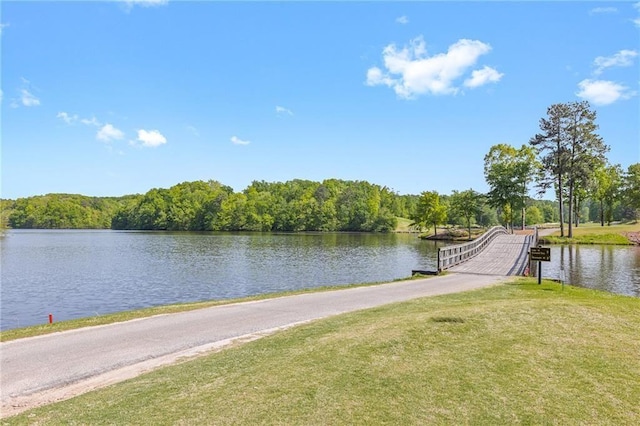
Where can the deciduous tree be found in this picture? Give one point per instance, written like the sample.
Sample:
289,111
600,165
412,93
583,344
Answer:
509,172
632,188
430,211
467,204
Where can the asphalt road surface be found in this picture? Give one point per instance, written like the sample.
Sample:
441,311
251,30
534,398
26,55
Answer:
40,370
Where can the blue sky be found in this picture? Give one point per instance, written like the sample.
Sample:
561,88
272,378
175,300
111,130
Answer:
114,98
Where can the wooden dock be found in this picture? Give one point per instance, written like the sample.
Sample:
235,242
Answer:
496,252
505,255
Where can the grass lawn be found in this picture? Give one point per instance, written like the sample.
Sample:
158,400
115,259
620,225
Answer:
511,354
404,225
452,233
593,233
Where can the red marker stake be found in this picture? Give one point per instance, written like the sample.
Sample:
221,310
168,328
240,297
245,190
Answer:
50,319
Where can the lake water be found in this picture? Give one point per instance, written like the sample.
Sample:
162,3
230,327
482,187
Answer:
602,267
73,274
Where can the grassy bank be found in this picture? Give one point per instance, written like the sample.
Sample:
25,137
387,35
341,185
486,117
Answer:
511,354
404,225
453,234
593,233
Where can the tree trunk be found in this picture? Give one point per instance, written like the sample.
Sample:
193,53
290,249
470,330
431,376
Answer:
469,227
601,213
435,230
576,213
510,222
561,204
570,224
524,206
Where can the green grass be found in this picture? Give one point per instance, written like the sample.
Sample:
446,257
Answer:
404,225
615,239
38,330
510,354
595,228
593,233
452,233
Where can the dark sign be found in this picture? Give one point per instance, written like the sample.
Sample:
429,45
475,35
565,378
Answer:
541,254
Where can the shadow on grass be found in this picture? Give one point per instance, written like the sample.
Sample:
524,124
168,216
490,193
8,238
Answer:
448,319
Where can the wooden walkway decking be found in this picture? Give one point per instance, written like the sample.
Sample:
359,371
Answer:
505,255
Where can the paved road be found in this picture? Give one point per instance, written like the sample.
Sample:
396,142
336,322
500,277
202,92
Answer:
506,255
45,369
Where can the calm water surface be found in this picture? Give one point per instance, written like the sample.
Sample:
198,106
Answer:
602,267
74,274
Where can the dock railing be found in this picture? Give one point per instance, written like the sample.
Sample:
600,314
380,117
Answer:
451,256
533,271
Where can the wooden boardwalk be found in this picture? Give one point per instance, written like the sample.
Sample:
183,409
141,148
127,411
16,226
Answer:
505,255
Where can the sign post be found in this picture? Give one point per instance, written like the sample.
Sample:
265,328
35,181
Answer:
540,254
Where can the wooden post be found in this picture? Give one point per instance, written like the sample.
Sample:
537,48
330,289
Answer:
539,272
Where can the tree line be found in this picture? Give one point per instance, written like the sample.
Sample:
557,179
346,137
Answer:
60,211
297,205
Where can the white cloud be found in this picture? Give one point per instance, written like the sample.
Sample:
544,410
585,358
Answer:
603,92
72,119
623,58
146,3
2,27
597,10
237,141
283,110
636,21
28,99
69,119
90,122
402,20
107,133
483,76
129,4
376,77
151,138
410,72
193,131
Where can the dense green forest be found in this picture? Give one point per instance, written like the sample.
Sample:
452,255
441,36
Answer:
61,211
297,205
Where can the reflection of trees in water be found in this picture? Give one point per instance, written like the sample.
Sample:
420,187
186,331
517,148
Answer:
610,268
89,272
